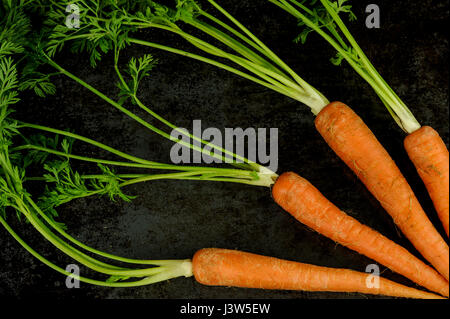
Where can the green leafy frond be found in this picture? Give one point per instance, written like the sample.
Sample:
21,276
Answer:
109,184
8,48
351,52
70,185
8,84
39,83
187,9
161,14
6,197
318,15
101,29
14,26
137,69
34,156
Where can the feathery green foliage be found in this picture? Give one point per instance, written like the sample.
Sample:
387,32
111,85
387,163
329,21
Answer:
26,55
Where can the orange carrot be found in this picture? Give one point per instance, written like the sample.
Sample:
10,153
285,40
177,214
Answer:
356,145
427,151
301,199
222,267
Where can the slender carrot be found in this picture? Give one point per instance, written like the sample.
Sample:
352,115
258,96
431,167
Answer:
355,144
427,151
301,199
222,267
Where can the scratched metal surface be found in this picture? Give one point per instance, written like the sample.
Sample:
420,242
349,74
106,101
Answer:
173,219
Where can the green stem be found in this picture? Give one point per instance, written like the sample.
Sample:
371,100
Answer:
252,165
184,176
233,44
68,250
82,158
158,166
401,114
134,116
315,104
251,64
240,36
273,56
89,141
45,261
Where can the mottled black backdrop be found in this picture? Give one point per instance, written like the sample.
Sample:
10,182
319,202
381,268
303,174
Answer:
174,219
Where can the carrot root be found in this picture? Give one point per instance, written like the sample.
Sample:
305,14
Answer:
222,267
356,145
305,203
428,152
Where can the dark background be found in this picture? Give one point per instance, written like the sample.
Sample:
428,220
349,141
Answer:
171,220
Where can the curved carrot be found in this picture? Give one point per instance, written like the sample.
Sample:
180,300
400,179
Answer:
301,199
427,151
356,145
222,267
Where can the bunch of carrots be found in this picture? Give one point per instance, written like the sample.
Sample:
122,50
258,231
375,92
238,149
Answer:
111,26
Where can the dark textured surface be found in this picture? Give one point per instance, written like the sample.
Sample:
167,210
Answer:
174,219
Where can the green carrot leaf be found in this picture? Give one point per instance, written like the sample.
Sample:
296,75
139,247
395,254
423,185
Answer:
41,85
137,69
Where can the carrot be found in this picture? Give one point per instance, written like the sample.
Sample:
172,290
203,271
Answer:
427,151
222,267
357,146
305,202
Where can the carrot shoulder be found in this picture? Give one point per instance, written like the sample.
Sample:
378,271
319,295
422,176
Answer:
305,202
356,145
221,267
427,151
